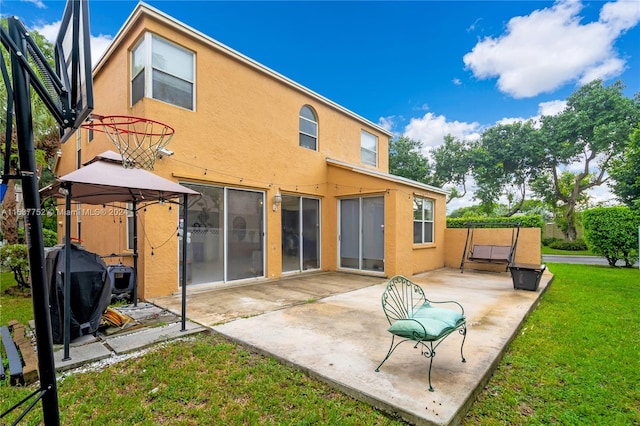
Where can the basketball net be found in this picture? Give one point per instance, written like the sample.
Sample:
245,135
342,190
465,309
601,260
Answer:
138,139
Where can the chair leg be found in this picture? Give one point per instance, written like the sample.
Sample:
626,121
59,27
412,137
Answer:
463,331
391,348
430,353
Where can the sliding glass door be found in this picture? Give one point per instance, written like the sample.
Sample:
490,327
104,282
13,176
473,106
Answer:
300,233
361,239
225,234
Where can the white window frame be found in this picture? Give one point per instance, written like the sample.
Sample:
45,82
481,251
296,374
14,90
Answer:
419,217
366,151
147,68
300,132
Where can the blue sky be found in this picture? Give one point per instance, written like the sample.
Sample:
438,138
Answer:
422,69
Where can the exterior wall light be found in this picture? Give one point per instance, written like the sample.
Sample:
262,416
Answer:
277,200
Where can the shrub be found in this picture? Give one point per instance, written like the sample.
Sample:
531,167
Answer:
549,240
577,245
16,258
50,237
530,221
612,232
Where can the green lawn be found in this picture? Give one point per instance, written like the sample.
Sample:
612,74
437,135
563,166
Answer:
576,358
13,308
574,362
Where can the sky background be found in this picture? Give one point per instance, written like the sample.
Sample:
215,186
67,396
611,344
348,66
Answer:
423,69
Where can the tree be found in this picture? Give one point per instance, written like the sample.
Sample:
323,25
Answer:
45,132
452,165
15,258
506,159
406,159
612,232
586,135
545,189
469,211
626,173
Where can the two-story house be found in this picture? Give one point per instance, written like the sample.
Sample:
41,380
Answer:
291,182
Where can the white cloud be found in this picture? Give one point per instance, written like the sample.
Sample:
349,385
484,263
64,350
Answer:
551,107
431,129
620,15
550,47
606,70
387,123
99,44
511,120
49,31
544,108
39,4
602,195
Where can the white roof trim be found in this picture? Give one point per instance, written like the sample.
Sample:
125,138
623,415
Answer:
387,176
143,8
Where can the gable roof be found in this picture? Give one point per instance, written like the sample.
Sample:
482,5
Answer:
144,10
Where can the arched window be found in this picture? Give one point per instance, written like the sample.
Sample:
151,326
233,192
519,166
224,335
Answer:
308,128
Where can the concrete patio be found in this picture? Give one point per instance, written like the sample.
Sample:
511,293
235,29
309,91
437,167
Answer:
331,325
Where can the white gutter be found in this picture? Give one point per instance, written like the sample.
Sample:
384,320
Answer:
387,176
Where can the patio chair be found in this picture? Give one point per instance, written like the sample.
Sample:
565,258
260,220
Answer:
413,317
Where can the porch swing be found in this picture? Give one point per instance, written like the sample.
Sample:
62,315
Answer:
490,253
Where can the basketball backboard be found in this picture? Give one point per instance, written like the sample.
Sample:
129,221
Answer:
73,64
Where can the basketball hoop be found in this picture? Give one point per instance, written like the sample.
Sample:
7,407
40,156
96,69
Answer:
138,139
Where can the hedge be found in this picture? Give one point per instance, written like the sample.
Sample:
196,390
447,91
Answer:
576,245
530,221
612,232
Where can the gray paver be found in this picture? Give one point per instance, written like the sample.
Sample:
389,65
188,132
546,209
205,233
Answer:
80,355
150,336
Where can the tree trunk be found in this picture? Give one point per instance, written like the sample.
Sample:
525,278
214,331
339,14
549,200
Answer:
571,225
9,213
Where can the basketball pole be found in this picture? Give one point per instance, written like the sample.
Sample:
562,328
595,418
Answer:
33,234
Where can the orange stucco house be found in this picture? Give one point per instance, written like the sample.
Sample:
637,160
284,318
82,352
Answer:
291,182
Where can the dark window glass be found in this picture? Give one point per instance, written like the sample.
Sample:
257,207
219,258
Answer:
137,88
173,90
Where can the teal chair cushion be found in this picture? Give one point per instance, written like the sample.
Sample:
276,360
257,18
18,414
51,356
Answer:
420,329
448,316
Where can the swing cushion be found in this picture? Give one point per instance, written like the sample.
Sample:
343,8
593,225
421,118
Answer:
491,253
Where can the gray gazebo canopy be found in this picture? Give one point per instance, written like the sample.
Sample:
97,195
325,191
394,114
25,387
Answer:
104,180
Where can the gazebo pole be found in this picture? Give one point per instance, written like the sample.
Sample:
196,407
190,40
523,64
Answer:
185,243
67,273
134,206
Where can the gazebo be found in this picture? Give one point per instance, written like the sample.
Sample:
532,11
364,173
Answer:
104,180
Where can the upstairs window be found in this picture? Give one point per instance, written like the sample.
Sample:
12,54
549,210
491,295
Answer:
369,148
308,128
162,70
422,220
